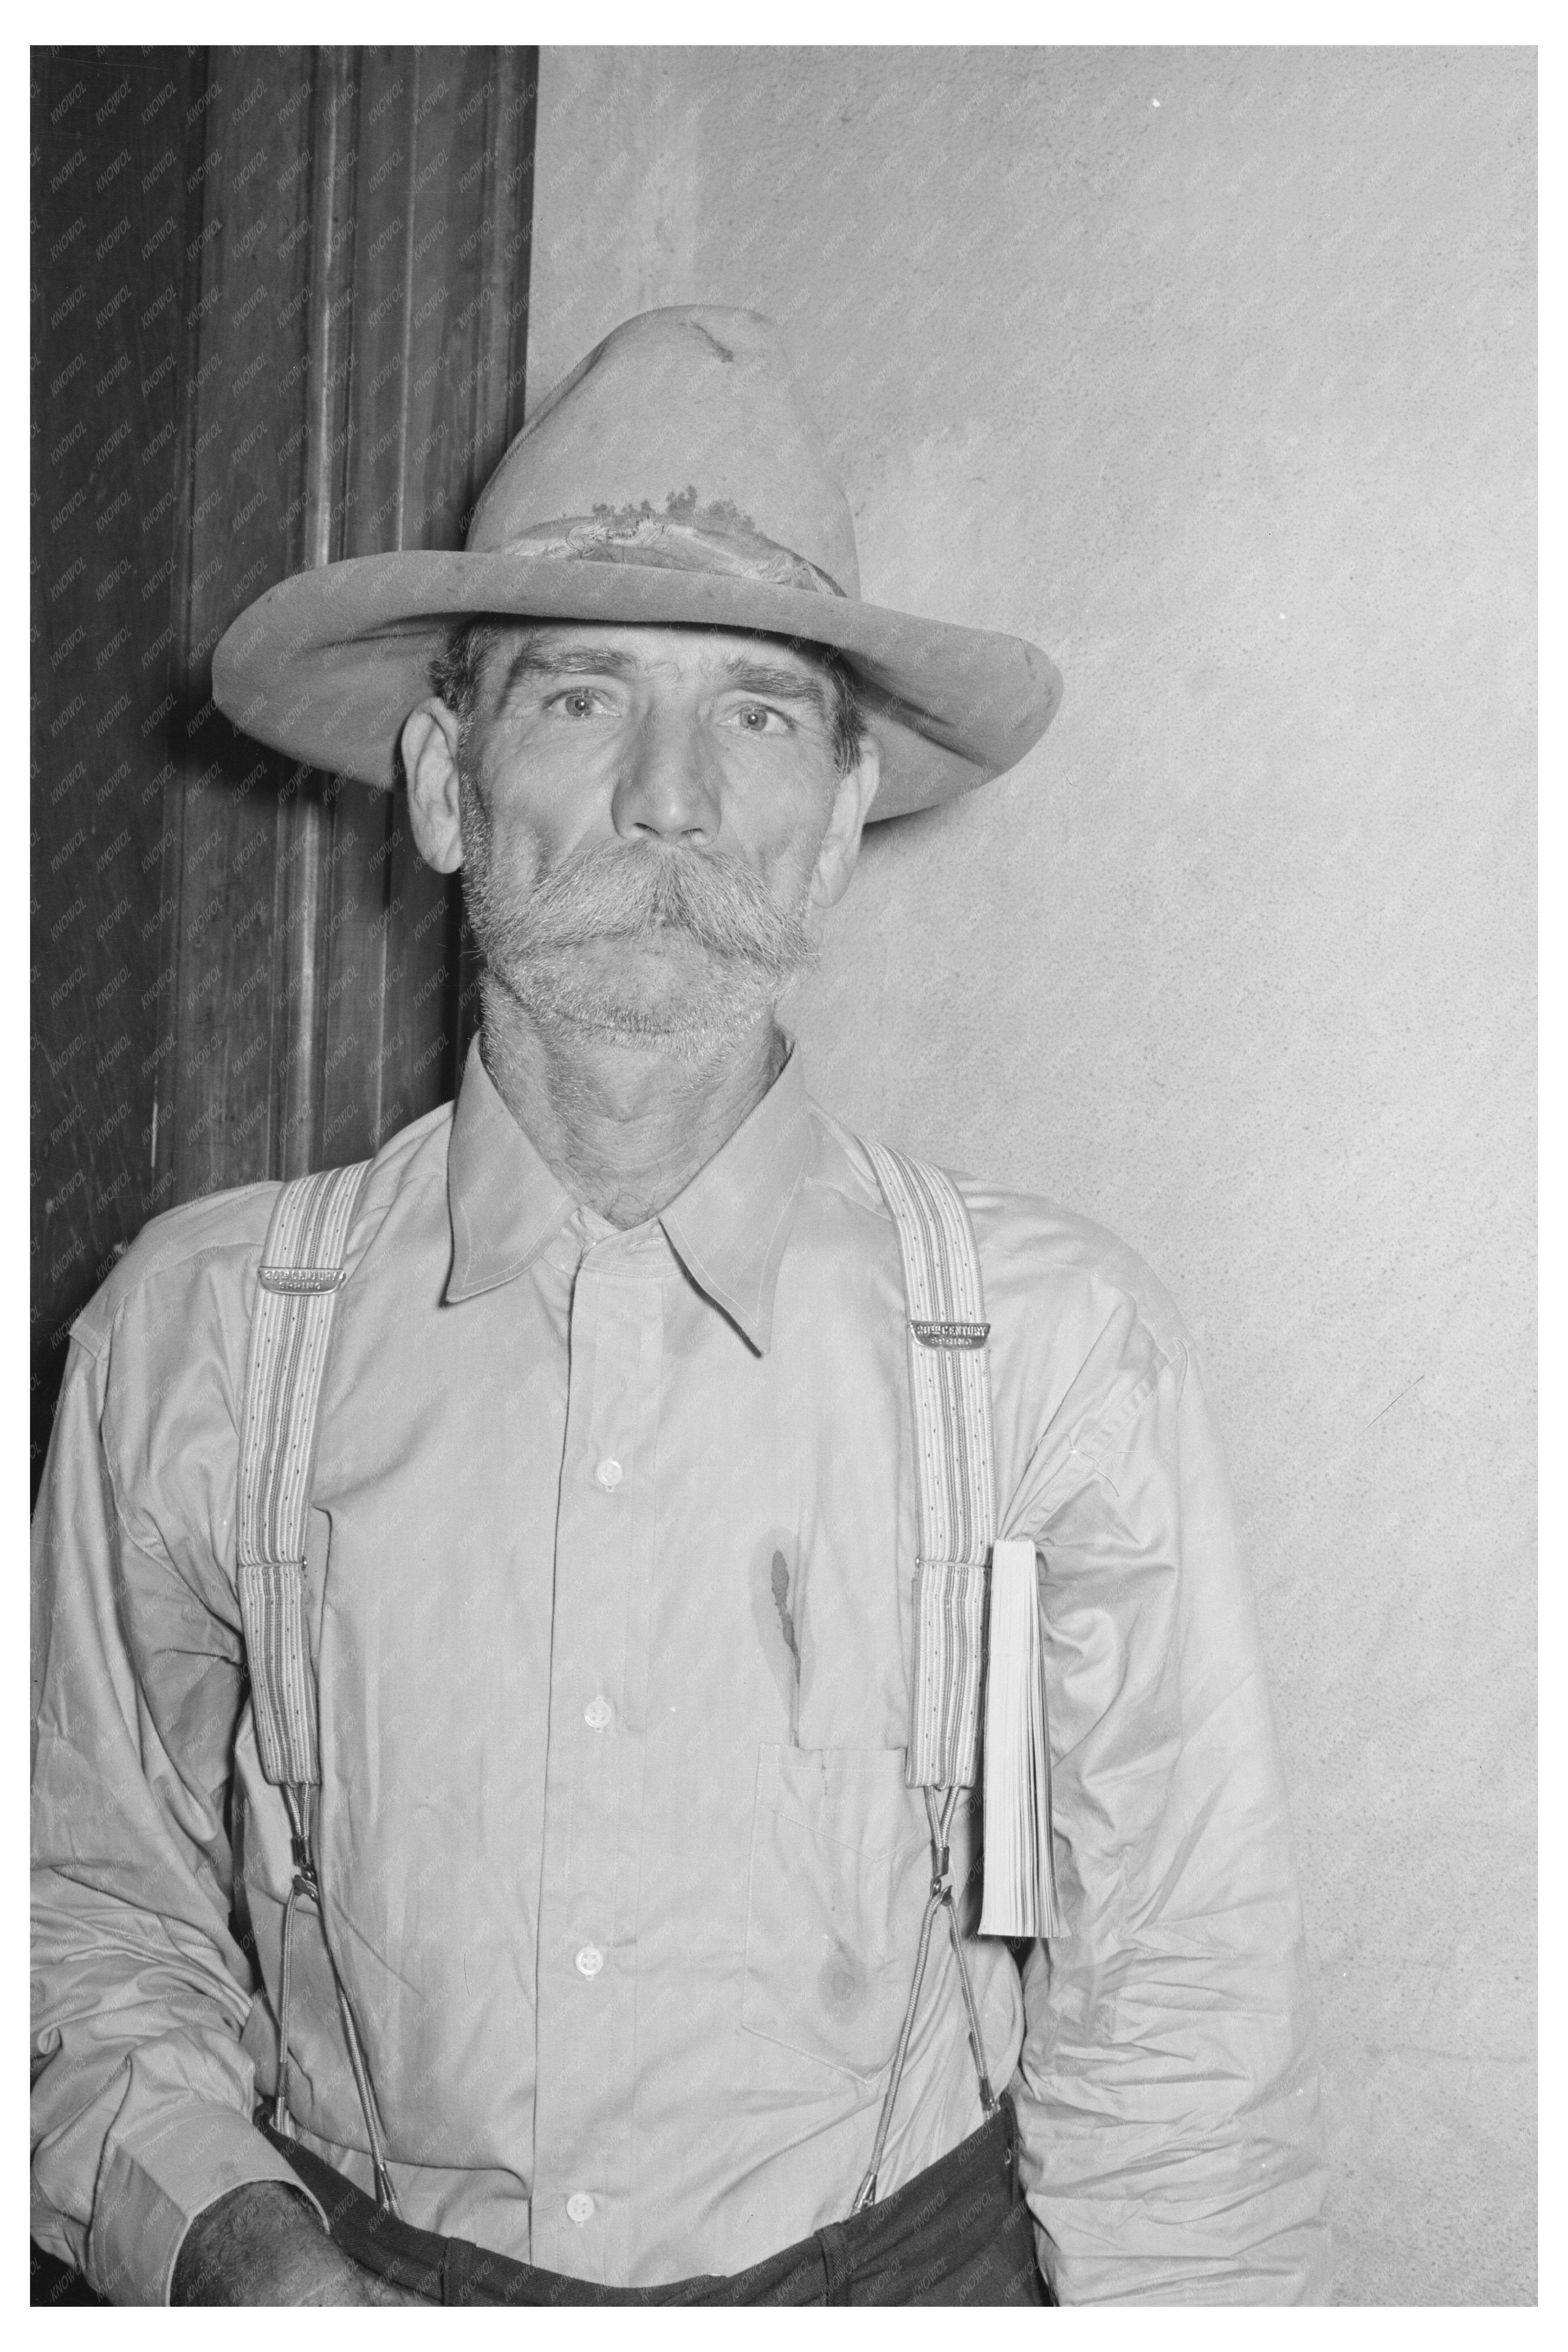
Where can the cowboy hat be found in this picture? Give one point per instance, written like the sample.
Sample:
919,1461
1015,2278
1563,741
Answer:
674,476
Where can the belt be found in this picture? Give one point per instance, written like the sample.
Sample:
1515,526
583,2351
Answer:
958,2233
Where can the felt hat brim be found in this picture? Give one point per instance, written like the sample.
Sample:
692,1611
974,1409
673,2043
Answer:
326,666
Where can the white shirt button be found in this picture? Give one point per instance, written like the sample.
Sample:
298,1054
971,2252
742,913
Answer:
596,1714
609,1474
590,1960
579,2206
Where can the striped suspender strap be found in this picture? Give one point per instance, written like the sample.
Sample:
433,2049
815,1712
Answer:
956,1481
300,1274
949,1383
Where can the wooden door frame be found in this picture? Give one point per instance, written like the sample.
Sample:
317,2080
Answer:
401,187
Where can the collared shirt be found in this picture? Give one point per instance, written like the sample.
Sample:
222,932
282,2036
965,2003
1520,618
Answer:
610,1563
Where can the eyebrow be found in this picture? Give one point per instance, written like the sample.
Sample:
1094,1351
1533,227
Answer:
779,685
540,658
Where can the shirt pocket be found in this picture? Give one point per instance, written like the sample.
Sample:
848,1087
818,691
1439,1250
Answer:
839,1875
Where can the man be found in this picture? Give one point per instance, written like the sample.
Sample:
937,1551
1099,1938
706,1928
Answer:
594,1927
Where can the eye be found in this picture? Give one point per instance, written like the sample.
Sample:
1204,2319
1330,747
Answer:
577,702
758,718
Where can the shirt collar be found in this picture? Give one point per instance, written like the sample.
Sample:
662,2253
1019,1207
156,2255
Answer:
730,1227
505,1204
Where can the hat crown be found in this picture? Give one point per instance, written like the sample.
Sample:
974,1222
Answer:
682,439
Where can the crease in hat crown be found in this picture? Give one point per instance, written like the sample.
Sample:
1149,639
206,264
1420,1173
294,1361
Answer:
674,477
682,434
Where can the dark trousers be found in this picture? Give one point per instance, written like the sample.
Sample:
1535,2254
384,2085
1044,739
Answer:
958,2233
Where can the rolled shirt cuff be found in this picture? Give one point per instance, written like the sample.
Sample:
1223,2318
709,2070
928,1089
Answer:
156,2179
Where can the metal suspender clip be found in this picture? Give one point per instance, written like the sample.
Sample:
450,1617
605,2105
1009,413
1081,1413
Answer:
939,1899
941,1880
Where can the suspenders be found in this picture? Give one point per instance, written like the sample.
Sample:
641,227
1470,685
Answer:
950,1385
959,1557
960,1561
300,1274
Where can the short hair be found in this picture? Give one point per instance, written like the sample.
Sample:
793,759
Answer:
456,669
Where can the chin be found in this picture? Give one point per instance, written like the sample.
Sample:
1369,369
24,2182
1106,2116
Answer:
686,1024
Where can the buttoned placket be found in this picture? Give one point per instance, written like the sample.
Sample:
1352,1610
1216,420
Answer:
597,1726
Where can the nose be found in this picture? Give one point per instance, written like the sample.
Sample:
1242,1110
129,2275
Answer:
668,785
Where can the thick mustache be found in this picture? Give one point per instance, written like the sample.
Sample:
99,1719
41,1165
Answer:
626,893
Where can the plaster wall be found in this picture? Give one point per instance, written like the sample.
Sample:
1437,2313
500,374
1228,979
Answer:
1212,371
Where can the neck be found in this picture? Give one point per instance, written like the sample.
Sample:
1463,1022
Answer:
622,1126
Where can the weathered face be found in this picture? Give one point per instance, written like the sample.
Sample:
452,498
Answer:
645,817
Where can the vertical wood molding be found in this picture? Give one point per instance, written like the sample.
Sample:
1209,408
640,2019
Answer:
442,223
162,1159
116,134
305,827
358,370
247,441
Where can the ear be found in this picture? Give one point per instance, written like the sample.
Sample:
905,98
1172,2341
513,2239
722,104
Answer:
430,763
841,842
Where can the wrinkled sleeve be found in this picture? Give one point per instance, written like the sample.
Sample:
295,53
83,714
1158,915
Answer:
1168,2103
142,2095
